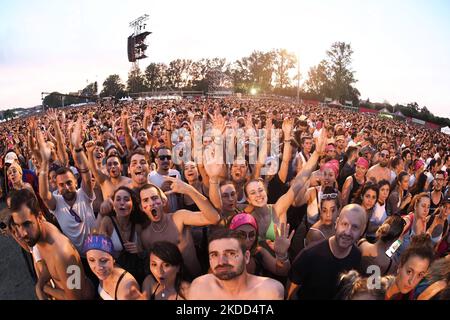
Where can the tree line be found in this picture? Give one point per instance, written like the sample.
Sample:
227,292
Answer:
271,72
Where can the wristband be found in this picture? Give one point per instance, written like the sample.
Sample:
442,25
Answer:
77,150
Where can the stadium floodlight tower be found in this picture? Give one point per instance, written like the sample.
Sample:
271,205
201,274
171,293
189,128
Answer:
136,41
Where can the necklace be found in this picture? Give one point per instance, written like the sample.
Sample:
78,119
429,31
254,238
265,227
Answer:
159,229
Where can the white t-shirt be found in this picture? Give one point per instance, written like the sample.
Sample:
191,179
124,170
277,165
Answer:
155,178
77,232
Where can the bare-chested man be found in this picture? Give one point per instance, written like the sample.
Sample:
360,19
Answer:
380,171
110,182
175,227
228,257
62,262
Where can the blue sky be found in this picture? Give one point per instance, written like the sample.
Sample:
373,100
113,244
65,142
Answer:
401,48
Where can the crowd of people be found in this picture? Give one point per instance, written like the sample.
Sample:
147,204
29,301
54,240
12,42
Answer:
226,199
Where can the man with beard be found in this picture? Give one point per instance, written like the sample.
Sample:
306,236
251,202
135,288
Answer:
59,257
111,181
175,227
436,194
380,171
407,159
239,177
72,207
229,280
164,162
315,271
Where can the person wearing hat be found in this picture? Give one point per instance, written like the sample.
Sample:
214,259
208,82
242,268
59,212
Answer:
262,262
27,176
115,282
62,260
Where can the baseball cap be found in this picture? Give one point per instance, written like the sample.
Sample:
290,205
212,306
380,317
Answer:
11,157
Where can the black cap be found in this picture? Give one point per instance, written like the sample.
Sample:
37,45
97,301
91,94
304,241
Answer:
446,199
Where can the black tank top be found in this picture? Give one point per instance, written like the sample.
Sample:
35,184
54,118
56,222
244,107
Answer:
355,189
434,206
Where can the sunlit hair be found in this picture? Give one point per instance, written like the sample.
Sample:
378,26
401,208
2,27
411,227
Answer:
416,199
352,284
136,215
420,246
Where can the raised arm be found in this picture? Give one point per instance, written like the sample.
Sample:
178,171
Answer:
81,160
44,190
287,149
127,131
99,176
290,196
60,140
346,188
214,170
280,264
207,214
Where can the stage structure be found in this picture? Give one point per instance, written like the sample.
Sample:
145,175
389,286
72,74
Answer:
136,42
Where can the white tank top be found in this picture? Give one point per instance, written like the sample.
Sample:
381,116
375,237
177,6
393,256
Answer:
103,294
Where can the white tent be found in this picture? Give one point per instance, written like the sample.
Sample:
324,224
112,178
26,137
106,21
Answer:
445,130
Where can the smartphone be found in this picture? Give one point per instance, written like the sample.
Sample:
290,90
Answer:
393,248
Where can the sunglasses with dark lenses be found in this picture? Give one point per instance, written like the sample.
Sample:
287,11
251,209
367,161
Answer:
75,215
247,235
162,158
384,155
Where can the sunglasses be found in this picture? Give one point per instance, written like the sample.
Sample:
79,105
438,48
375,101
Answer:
328,196
384,155
162,158
75,215
247,235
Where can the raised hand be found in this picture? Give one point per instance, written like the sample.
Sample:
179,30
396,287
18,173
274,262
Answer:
177,186
287,126
52,115
76,134
282,239
322,141
212,167
44,150
90,146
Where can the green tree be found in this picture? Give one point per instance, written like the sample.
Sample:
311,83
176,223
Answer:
334,77
318,82
136,81
178,73
283,62
113,87
90,90
155,76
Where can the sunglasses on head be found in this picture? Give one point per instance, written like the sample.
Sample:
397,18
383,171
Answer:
166,157
328,196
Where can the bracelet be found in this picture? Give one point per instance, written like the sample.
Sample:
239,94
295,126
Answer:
283,259
213,182
83,170
77,150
